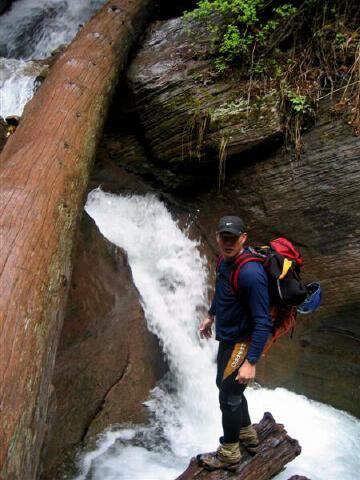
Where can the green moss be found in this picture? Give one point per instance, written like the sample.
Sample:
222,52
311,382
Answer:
330,137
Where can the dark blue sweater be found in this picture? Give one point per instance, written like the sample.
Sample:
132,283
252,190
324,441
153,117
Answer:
239,319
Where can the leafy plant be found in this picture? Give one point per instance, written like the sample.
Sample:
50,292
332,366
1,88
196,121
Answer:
339,38
305,49
298,102
246,27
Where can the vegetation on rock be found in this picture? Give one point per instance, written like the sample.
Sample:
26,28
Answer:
306,49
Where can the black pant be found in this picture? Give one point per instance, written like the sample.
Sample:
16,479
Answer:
233,404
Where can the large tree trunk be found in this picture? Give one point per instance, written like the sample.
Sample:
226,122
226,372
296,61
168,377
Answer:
44,171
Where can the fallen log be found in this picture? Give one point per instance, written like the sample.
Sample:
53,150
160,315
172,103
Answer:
275,450
44,172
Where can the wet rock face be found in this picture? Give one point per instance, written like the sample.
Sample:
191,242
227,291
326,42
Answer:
107,361
315,202
188,120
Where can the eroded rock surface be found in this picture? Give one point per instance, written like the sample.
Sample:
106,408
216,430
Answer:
107,361
315,202
189,121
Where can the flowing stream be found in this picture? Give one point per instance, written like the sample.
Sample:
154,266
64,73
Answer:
30,31
171,277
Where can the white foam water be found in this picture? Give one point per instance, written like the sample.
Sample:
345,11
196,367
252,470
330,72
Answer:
171,277
30,30
17,85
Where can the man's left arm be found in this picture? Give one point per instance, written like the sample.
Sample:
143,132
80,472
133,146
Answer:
255,290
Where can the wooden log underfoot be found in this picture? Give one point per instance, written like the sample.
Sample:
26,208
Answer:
276,450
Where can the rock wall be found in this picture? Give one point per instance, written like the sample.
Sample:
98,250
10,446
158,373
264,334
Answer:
187,117
314,201
107,361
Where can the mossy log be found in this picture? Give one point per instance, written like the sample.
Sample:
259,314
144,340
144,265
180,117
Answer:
275,450
44,172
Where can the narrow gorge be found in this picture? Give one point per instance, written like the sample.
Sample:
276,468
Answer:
102,372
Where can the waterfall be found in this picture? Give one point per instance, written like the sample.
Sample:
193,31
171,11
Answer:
17,85
31,30
171,277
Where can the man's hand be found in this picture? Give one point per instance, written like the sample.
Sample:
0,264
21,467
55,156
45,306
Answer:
205,328
246,373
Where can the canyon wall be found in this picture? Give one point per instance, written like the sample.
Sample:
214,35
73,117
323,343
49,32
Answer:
178,118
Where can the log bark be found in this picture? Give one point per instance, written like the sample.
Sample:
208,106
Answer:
276,449
44,172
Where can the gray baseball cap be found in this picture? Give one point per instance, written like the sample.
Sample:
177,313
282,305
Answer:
231,224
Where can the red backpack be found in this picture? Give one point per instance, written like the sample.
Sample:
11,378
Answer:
282,263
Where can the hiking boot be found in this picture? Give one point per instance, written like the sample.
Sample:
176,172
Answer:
248,438
227,457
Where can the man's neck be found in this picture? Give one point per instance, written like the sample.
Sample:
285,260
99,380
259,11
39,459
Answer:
232,259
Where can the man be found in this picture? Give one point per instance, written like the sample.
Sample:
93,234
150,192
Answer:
243,324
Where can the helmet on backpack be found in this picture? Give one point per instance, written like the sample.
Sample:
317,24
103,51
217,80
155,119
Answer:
313,300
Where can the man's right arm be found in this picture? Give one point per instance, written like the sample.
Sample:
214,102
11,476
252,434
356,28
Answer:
205,329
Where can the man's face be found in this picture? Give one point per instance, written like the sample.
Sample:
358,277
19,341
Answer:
230,245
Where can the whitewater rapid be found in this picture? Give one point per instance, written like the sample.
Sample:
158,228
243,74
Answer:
30,31
172,279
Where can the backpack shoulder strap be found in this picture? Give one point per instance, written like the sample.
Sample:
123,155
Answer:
242,260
